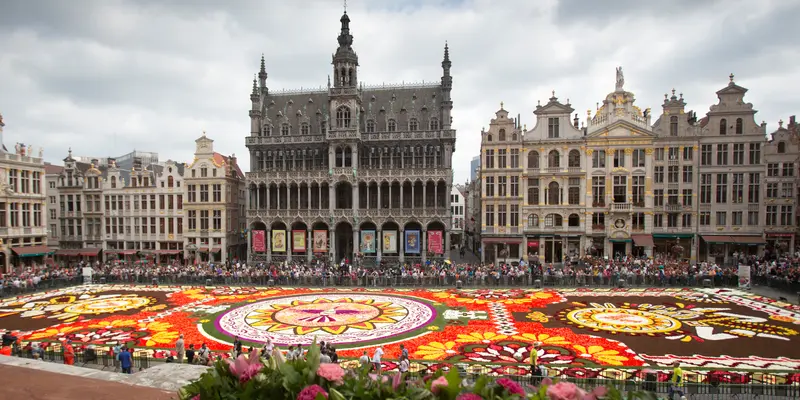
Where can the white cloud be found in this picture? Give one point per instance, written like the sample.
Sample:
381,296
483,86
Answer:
105,77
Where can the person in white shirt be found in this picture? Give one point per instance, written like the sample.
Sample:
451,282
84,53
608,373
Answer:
376,359
404,364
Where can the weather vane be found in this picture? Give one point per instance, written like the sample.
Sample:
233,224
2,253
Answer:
345,6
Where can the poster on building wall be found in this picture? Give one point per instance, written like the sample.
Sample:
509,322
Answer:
320,241
298,241
389,242
368,242
279,241
744,276
435,245
412,242
259,242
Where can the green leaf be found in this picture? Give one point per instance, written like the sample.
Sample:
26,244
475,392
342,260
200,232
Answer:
334,394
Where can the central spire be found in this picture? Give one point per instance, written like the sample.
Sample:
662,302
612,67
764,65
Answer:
345,38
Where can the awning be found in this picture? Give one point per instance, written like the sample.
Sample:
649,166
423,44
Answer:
643,240
751,240
501,240
673,235
168,251
88,252
216,250
202,249
718,239
533,243
31,251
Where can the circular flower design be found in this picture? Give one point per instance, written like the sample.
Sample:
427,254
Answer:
107,305
334,318
623,320
509,297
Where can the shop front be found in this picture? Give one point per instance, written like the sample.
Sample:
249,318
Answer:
720,249
674,246
28,255
642,245
501,249
780,243
89,255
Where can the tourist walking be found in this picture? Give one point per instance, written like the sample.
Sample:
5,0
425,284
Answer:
376,359
180,349
126,361
69,353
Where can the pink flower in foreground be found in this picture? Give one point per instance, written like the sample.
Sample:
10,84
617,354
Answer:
469,396
331,373
438,384
547,382
245,367
196,397
511,387
311,392
565,391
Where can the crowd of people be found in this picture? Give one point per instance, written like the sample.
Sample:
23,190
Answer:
782,272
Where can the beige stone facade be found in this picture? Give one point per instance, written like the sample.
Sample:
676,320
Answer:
23,225
624,184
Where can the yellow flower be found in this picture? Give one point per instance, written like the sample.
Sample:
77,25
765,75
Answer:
155,326
203,321
541,295
117,323
442,295
433,328
537,316
473,337
781,318
610,357
163,337
542,337
53,332
435,350
196,294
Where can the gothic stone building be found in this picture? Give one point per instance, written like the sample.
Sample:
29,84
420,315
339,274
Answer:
351,169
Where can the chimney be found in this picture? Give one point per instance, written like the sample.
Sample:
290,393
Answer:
137,163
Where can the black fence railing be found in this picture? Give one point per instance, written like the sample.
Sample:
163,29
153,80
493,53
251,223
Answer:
10,288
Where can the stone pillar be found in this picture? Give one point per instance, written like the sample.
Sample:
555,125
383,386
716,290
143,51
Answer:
356,244
378,243
268,239
332,245
401,244
249,245
483,253
309,242
423,248
446,249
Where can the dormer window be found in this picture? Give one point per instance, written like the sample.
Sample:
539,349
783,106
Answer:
370,126
322,128
413,124
673,125
489,137
501,136
304,129
434,124
113,182
391,125
552,128
781,147
284,129
343,117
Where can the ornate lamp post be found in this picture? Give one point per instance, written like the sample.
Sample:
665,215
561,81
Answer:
677,249
192,248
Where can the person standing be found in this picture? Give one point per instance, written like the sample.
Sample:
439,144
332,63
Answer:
376,359
364,360
676,381
237,347
126,361
190,354
69,353
180,349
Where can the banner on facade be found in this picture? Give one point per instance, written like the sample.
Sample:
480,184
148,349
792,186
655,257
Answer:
435,244
298,241
259,242
368,242
744,276
389,242
412,242
278,240
320,241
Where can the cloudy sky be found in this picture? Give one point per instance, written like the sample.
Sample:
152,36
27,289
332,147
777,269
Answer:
109,76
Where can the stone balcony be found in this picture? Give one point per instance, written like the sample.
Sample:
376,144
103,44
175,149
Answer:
20,231
377,214
335,173
621,207
280,140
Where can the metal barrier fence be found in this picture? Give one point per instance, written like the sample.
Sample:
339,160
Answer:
697,383
8,289
447,281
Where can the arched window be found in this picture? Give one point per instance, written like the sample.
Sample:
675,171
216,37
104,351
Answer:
323,127
413,124
370,126
781,147
574,220
285,129
553,194
553,220
739,126
434,124
533,221
170,181
673,125
391,125
348,156
114,181
343,117
489,137
339,153
574,159
501,136
514,137
533,159
304,128
553,159
723,126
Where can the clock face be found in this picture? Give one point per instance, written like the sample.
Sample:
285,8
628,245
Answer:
620,223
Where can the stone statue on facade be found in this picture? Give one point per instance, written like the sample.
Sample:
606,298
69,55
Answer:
620,78
41,152
17,148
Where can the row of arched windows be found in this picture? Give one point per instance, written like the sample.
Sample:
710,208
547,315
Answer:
554,159
554,220
501,136
738,128
344,120
413,125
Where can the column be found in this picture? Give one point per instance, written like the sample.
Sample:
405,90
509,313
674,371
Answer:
332,196
483,253
332,245
378,243
309,243
356,245
268,239
223,252
424,195
423,249
249,245
446,249
266,194
401,244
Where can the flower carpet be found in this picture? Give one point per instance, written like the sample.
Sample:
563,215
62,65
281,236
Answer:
577,328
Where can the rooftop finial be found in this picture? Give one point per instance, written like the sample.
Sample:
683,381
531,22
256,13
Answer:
673,91
263,67
446,53
69,151
620,79
553,93
731,77
345,6
780,123
204,133
501,105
